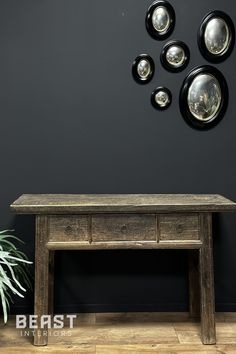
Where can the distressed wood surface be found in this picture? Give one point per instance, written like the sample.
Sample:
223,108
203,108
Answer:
69,228
179,227
140,227
125,228
194,287
148,221
51,282
73,245
149,203
41,297
206,273
128,333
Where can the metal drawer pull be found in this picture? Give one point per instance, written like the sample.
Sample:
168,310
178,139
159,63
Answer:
68,230
179,229
124,228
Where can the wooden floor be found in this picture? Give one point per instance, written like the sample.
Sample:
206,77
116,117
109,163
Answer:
127,333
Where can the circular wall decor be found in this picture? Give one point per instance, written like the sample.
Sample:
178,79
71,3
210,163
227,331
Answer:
160,19
204,97
143,69
175,56
216,36
161,98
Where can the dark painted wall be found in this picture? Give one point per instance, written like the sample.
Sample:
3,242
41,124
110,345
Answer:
74,121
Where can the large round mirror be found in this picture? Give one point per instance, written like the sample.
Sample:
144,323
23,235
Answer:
216,36
160,19
204,97
143,68
175,56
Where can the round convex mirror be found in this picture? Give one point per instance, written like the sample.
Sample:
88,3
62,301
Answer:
175,56
161,98
143,69
160,19
204,97
216,36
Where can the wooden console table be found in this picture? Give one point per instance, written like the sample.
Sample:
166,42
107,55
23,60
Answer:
137,221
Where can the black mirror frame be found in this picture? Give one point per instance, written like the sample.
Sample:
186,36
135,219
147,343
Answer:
136,76
187,115
154,92
216,58
164,61
149,26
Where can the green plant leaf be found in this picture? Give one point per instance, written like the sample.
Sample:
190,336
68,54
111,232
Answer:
4,306
14,270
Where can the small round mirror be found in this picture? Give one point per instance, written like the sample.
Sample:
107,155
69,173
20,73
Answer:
216,36
143,69
175,56
204,97
161,98
160,19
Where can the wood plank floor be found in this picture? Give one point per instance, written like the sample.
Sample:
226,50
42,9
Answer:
126,333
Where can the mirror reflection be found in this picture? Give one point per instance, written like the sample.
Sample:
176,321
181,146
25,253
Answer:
162,98
160,19
175,55
204,97
143,68
216,35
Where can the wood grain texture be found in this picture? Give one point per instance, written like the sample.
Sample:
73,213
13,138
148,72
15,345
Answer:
41,275
71,245
207,281
51,283
128,333
69,228
106,203
179,227
150,221
194,287
125,227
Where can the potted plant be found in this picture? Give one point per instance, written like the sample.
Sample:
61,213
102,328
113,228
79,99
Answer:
14,270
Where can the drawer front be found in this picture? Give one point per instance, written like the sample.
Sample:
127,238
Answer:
69,228
179,227
123,227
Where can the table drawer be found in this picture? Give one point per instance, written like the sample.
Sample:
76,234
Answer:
125,227
179,227
69,228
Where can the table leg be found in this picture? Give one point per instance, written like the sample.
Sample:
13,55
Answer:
51,283
194,291
207,281
41,279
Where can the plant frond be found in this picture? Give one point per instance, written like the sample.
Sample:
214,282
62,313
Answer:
14,270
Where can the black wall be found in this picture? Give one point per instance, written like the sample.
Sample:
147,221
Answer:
74,121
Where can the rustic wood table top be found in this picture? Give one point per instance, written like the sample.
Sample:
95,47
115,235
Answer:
88,203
